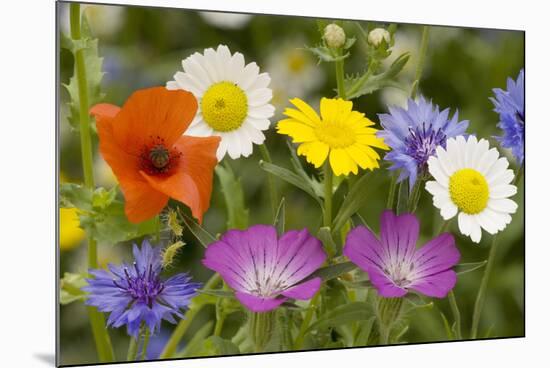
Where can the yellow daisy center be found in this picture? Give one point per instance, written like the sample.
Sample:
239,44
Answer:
335,135
224,106
469,191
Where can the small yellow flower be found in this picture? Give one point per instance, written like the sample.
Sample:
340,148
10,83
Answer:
70,233
344,134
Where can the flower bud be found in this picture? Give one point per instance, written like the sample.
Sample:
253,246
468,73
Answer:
377,35
334,36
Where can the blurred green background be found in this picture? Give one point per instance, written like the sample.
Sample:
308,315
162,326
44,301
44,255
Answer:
143,47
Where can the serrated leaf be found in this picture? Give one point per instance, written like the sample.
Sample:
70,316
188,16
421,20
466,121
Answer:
290,178
463,268
101,215
333,271
342,314
237,213
70,288
355,199
326,54
203,236
367,83
88,46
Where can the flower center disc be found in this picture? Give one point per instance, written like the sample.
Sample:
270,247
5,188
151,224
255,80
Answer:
159,156
224,106
335,135
469,191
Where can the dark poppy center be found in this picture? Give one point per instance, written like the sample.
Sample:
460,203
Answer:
159,156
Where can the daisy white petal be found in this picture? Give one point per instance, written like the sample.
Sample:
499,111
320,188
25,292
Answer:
234,99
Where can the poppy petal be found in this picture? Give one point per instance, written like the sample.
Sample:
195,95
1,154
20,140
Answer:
198,160
104,111
142,201
153,113
179,186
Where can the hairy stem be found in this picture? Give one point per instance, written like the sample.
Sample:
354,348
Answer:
327,215
132,349
146,336
101,337
298,343
421,60
339,64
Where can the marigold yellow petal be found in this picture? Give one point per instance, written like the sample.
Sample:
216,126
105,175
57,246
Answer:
298,131
341,163
306,110
299,116
316,152
372,140
361,157
70,233
335,110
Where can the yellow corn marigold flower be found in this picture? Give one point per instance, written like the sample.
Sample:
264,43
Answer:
345,136
70,233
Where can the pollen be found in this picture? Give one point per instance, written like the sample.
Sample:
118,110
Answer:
224,106
469,191
335,135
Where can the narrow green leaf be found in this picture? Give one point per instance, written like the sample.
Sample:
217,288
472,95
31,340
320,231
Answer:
237,213
333,271
217,293
315,185
279,221
448,329
203,236
196,341
325,236
463,268
290,178
216,346
347,313
364,331
355,199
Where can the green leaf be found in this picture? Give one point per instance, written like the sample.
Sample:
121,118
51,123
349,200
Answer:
217,293
333,271
325,236
101,215
315,185
203,236
463,268
215,346
366,83
88,46
326,54
355,199
279,221
237,213
70,288
448,330
364,331
347,313
290,178
196,341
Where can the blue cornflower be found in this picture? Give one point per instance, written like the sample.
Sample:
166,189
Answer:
413,135
510,105
135,293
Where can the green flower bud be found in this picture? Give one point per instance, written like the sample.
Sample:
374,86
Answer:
334,36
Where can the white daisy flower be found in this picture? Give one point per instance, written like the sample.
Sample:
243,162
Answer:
226,20
471,180
233,99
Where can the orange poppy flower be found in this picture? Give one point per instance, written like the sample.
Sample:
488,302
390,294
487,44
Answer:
152,160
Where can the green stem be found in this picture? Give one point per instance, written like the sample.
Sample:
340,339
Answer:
146,336
480,299
327,215
306,322
414,197
339,64
97,320
132,349
271,181
421,60
183,325
456,314
391,194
